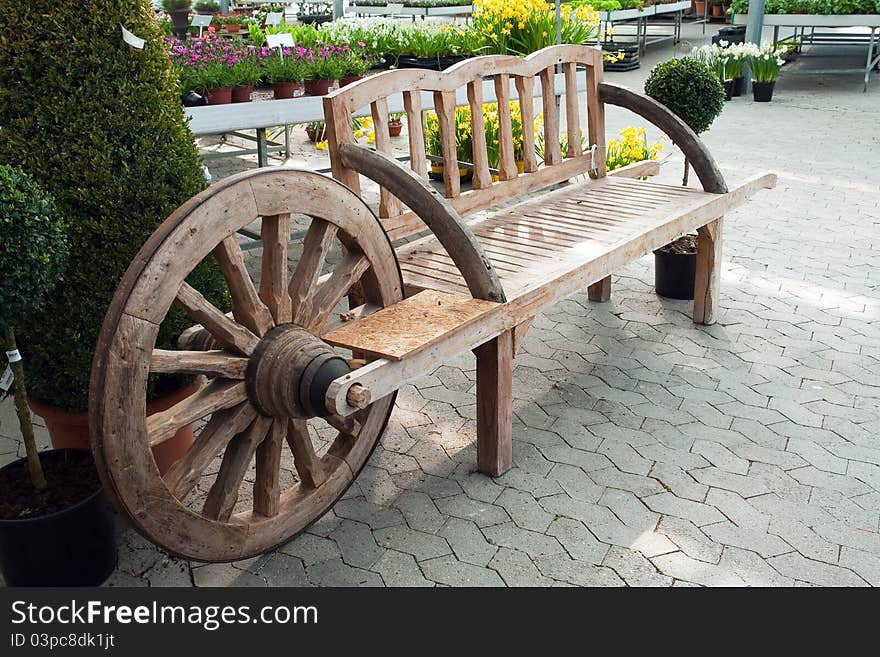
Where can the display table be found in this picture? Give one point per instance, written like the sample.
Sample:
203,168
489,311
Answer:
801,23
397,10
641,18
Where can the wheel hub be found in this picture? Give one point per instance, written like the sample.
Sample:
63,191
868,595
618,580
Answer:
289,373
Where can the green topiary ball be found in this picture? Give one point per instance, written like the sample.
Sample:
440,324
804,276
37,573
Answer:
33,249
689,89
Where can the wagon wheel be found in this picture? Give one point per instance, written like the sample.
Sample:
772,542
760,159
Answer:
264,366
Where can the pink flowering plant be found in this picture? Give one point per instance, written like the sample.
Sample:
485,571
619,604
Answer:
293,67
211,63
329,62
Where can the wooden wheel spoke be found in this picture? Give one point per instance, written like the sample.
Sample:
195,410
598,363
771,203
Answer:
247,307
328,295
267,487
182,477
308,464
348,426
236,459
225,330
275,233
316,245
209,363
213,397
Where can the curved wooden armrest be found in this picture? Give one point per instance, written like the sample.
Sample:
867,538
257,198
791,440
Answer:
440,217
686,139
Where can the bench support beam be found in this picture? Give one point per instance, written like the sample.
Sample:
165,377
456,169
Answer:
495,405
600,290
708,276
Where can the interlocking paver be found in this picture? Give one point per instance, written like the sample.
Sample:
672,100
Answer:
517,569
796,566
670,505
419,544
634,569
563,567
400,569
682,567
451,572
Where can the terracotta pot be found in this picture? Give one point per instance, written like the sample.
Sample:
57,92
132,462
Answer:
284,90
394,128
69,430
219,96
350,79
313,134
233,28
319,87
700,7
242,93
717,10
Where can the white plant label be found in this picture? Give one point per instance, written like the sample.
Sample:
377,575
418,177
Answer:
202,20
131,39
274,18
281,40
7,379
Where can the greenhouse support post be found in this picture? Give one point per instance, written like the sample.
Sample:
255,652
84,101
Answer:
338,11
753,33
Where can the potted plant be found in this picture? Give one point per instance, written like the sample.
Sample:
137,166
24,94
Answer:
207,7
122,152
675,268
178,10
765,62
55,526
328,64
700,8
358,65
207,67
286,70
247,73
691,90
395,123
717,8
316,131
232,23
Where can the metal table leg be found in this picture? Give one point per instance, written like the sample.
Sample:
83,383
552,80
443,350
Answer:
262,152
870,63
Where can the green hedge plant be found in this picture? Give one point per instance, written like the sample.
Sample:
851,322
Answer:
98,124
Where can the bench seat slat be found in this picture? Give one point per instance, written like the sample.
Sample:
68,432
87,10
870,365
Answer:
531,243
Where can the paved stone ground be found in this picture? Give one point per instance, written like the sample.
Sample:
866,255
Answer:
648,451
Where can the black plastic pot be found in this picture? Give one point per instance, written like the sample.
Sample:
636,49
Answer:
179,22
738,84
431,63
728,89
73,547
762,92
674,274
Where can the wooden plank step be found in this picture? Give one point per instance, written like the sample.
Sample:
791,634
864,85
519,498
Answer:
410,326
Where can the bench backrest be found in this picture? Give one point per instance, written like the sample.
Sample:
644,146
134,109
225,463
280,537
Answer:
468,78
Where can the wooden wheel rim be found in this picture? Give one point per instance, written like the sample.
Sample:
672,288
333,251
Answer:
117,403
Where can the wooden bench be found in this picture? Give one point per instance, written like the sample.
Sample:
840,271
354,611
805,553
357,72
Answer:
296,366
546,246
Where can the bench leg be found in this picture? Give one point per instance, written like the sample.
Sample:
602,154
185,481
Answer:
708,278
600,290
495,405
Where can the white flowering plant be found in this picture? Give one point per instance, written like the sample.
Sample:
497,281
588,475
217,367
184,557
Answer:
765,62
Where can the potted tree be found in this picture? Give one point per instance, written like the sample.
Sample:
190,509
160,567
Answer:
178,10
112,191
691,90
55,526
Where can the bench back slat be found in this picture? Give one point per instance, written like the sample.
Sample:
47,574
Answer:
389,205
412,103
525,89
470,76
552,148
481,179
